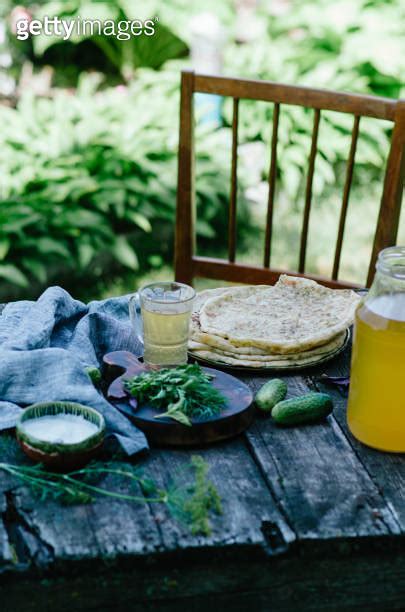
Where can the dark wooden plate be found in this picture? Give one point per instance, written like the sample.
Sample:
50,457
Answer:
233,419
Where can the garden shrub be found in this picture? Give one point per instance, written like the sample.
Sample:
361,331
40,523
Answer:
88,176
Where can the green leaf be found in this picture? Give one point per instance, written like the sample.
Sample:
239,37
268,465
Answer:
47,245
36,268
124,253
4,247
204,229
86,253
176,415
13,275
80,218
139,220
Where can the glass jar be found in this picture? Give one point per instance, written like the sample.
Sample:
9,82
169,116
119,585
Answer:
376,407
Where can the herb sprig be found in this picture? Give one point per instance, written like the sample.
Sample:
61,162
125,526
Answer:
191,502
76,487
184,392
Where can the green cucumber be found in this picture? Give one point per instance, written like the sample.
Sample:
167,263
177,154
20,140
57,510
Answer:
305,409
270,394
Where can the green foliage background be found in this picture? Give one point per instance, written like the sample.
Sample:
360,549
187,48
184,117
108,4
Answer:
88,178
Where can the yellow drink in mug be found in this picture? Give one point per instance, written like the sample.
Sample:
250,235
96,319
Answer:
165,313
376,407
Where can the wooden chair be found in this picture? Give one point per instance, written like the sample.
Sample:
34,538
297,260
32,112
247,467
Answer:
188,265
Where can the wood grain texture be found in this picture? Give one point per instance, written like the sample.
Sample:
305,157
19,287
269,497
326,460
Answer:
219,269
346,194
187,266
369,106
272,187
320,484
185,211
387,470
46,535
308,193
390,209
250,515
234,184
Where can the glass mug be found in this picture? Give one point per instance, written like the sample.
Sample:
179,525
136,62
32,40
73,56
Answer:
376,406
165,311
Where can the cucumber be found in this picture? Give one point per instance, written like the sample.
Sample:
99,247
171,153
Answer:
270,394
305,409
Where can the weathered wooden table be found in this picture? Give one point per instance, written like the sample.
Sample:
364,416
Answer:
312,521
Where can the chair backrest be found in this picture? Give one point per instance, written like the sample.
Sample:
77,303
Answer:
188,265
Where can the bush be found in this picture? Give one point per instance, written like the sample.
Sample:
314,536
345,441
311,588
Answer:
345,46
89,176
89,180
340,45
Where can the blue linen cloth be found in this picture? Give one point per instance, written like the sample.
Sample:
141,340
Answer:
45,347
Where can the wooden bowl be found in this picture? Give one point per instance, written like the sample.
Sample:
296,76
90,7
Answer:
60,456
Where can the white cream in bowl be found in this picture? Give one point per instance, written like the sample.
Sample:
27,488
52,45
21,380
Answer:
60,428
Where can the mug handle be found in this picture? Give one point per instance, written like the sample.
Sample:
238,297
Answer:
134,307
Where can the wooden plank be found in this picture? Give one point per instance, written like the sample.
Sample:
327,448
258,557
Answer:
234,184
272,187
387,470
308,193
185,211
220,269
250,516
44,533
371,580
321,485
7,553
346,194
48,533
268,91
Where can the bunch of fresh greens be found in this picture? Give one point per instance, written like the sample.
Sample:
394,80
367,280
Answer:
192,503
184,392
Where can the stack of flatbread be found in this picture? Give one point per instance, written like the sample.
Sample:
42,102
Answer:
296,322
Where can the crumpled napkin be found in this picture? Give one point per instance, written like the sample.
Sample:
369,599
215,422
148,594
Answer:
45,347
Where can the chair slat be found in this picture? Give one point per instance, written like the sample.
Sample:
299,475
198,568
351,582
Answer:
308,192
346,194
188,265
220,269
234,186
185,211
354,104
272,187
390,208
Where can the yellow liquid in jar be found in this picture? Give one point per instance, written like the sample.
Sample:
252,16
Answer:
165,337
376,407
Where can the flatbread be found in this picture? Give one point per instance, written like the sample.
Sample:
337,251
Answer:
197,335
252,363
294,315
197,348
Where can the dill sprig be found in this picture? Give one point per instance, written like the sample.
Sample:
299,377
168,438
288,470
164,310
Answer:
76,487
184,392
191,503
